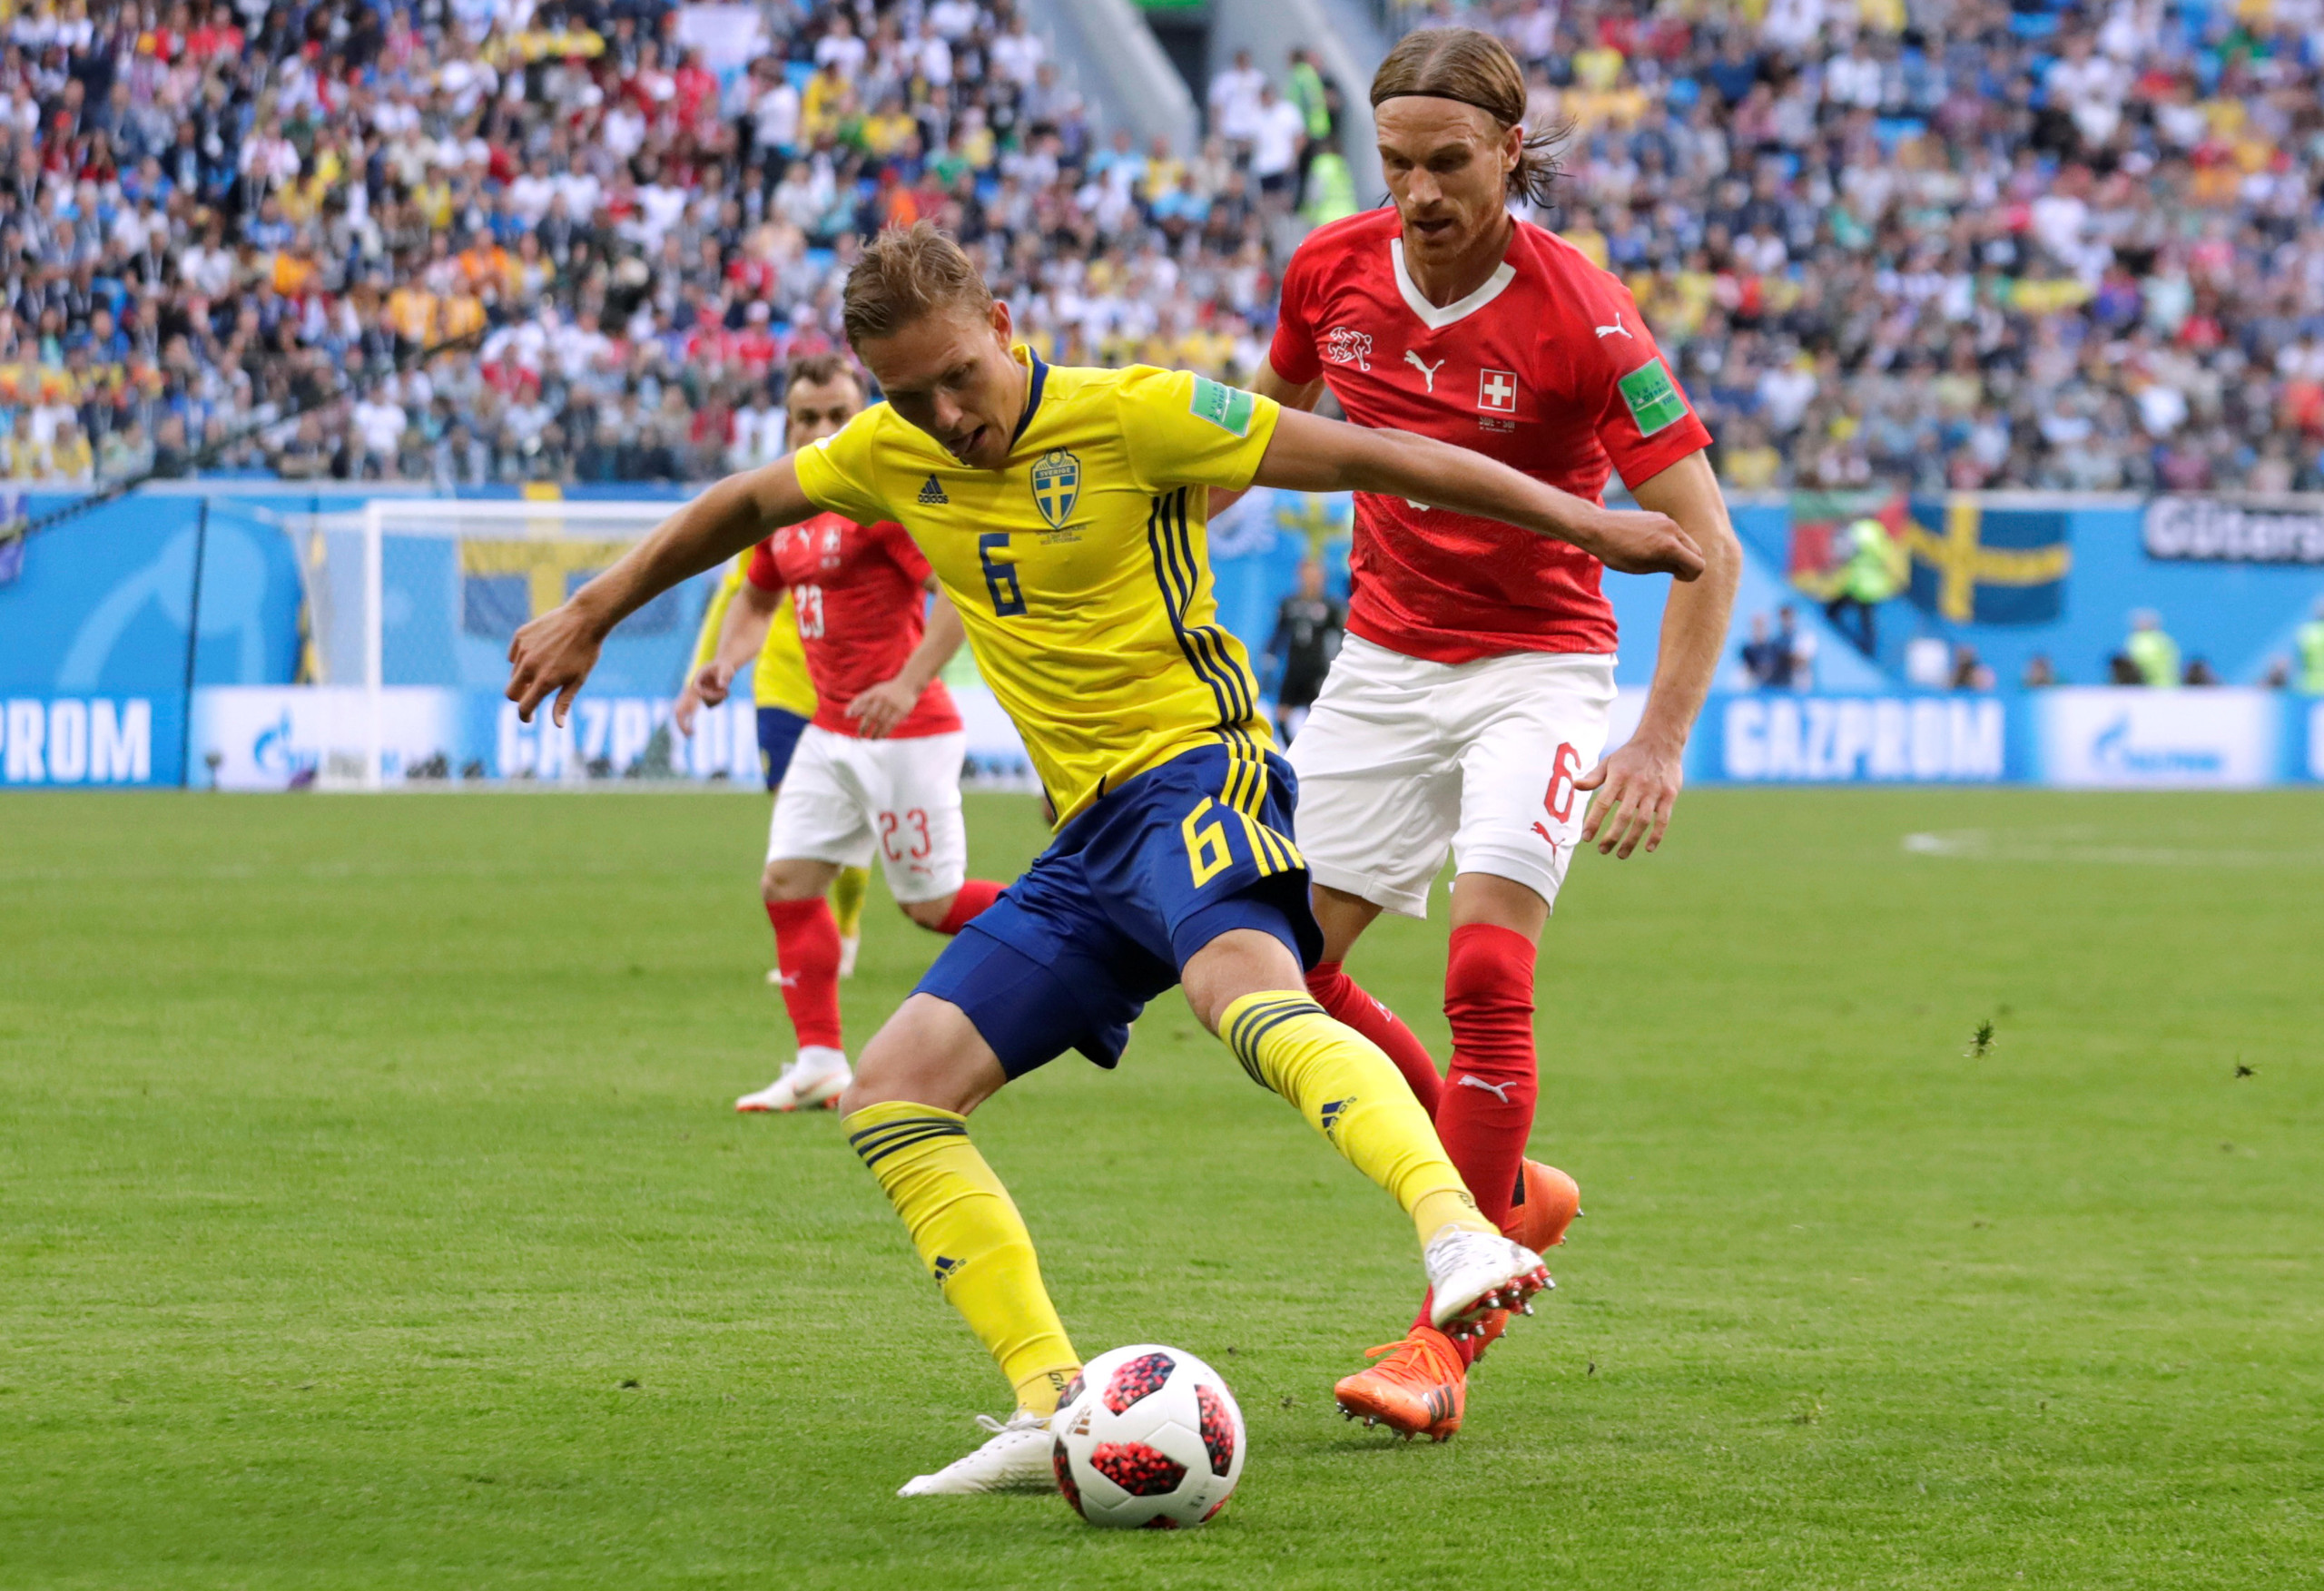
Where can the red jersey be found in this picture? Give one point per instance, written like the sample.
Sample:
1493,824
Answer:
1547,368
858,591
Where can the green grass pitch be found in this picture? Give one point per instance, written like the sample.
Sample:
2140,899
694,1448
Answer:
372,1215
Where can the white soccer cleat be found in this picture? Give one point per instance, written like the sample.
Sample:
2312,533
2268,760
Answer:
848,946
1017,1457
816,1077
1473,1273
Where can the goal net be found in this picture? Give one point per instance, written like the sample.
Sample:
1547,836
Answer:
412,602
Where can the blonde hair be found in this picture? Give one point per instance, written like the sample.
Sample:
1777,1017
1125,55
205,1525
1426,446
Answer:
905,274
1475,69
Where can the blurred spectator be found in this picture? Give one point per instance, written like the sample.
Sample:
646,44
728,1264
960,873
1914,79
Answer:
2199,673
1234,100
1279,133
2152,654
1766,664
1868,579
1969,670
1308,625
2308,643
2038,675
1798,671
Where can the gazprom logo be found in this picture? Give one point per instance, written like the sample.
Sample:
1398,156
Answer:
2114,749
1057,485
1831,739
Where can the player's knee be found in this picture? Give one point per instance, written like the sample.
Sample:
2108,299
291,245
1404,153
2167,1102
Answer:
1488,972
780,883
928,914
928,1053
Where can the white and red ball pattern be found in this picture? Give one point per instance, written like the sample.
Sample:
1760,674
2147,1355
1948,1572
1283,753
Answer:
1147,1437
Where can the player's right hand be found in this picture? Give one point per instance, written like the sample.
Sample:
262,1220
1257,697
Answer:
552,656
1636,541
708,688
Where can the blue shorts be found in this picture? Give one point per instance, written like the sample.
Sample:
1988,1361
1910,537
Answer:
1132,888
779,732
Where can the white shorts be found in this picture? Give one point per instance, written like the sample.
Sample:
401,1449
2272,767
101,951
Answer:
843,798
1402,758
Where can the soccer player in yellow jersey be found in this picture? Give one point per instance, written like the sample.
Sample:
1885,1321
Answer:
817,400
1063,511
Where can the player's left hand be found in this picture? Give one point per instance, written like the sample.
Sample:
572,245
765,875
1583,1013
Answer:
883,707
1635,788
552,656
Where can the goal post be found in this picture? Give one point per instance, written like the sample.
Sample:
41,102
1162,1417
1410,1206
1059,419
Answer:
412,602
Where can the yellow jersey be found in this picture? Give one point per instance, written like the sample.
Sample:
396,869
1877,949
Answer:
1080,568
779,678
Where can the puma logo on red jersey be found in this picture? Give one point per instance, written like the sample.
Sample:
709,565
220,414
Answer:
1427,370
1616,328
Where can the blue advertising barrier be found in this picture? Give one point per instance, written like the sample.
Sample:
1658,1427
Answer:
94,643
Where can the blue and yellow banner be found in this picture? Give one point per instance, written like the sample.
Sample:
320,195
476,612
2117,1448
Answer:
1975,564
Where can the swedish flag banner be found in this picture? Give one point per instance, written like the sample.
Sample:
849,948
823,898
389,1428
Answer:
1977,564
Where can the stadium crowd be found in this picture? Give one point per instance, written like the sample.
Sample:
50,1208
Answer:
1934,242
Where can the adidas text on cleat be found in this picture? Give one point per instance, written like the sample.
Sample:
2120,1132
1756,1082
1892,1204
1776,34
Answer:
1017,1457
815,1079
1418,1389
1472,1273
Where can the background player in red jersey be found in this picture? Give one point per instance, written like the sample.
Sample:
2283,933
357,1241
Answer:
1469,705
879,767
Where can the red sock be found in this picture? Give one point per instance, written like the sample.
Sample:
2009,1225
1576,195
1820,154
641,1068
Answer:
1489,1089
1350,1006
972,897
806,947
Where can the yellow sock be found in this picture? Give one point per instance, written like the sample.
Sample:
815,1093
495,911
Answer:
1352,1093
972,1239
848,891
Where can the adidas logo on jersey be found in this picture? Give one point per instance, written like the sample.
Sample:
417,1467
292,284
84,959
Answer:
1332,1112
932,493
945,1265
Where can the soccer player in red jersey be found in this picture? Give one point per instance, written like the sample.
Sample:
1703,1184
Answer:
878,767
1469,705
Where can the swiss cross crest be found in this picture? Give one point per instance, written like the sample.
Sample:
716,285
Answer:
1343,345
1497,391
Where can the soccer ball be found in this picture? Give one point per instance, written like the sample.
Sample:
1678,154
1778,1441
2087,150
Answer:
1149,1437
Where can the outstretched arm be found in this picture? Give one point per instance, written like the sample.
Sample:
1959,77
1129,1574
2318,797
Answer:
1284,391
551,656
1638,783
1308,454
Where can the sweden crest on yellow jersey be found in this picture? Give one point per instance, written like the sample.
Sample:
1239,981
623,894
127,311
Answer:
1057,485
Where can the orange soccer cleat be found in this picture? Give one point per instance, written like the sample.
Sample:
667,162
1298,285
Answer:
1548,1201
1419,1387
